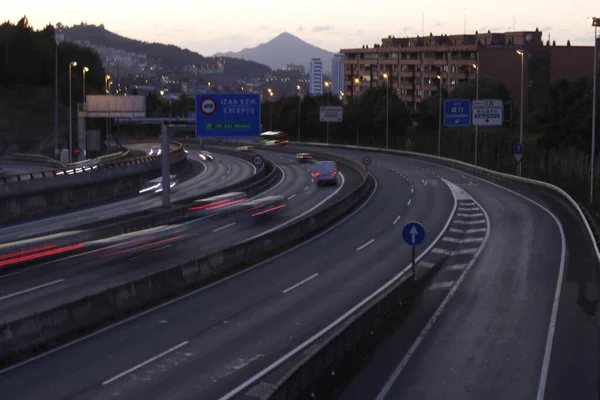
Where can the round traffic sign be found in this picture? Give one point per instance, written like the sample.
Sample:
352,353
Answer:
257,160
366,160
76,150
208,106
413,233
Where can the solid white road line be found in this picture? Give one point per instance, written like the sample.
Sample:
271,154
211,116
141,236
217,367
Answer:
224,227
477,230
408,203
143,364
31,289
302,282
396,220
392,379
359,248
291,197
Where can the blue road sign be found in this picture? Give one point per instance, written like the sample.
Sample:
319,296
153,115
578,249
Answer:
413,233
518,148
457,112
228,115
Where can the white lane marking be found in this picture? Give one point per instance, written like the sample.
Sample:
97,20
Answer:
412,190
143,364
470,215
305,188
459,231
444,252
462,222
463,240
426,264
450,239
161,248
396,220
468,203
441,285
464,251
291,197
425,184
392,379
455,267
31,289
134,258
460,209
477,230
471,240
359,248
302,282
400,276
408,202
208,287
224,227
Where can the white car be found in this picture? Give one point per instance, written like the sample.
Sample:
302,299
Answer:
205,155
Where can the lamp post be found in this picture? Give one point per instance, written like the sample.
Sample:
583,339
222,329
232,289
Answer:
71,65
209,87
594,21
85,71
327,89
387,110
357,82
57,39
521,53
476,98
439,143
299,108
270,110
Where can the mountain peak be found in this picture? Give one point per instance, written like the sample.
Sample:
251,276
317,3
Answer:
281,50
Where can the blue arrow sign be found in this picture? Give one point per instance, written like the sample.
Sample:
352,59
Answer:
457,112
518,148
413,233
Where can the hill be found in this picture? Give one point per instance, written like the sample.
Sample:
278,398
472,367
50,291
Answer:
282,50
169,57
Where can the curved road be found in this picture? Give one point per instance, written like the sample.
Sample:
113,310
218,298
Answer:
224,170
218,341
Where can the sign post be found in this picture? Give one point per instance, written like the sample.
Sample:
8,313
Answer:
366,161
413,234
228,115
457,113
329,114
518,152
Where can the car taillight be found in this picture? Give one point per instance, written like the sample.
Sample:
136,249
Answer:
334,173
315,174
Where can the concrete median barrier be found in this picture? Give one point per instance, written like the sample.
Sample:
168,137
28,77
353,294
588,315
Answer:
22,338
35,194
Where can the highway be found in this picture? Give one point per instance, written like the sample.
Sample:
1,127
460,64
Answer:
223,171
489,340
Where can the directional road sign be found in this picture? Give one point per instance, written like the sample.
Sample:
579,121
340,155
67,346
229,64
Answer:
518,152
366,160
488,112
457,112
228,115
331,114
257,160
413,233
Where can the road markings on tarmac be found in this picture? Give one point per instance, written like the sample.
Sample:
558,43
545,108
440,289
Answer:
302,282
31,289
143,364
291,197
359,248
224,227
408,202
396,220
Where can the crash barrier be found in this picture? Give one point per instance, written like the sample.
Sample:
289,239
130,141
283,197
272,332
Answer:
321,371
80,186
38,332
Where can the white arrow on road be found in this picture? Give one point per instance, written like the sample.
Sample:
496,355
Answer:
413,234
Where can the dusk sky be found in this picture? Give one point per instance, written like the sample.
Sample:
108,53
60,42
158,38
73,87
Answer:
208,27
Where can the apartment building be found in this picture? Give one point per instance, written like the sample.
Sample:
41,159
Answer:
316,77
412,65
337,74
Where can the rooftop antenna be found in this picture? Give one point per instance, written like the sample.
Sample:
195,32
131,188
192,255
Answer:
406,31
423,24
465,21
514,24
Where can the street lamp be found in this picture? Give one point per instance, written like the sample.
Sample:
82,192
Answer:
299,108
594,21
270,110
439,143
476,98
327,90
521,53
106,79
71,65
85,71
209,86
387,110
58,37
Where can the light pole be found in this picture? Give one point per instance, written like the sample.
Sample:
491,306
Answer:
593,152
357,82
327,89
521,53
107,90
387,110
209,87
299,108
439,143
270,110
85,71
476,98
71,65
57,39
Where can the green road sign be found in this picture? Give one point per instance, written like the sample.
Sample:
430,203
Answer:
227,126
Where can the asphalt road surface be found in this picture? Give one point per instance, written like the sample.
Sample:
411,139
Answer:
223,171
